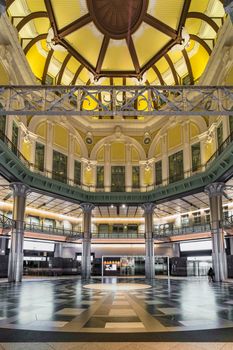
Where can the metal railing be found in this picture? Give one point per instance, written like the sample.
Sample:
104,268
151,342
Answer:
220,150
113,235
52,230
109,101
183,230
90,188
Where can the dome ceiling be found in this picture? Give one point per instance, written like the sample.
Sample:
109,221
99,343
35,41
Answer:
118,42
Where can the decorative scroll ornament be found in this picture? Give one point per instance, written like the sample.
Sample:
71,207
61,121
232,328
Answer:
185,41
51,42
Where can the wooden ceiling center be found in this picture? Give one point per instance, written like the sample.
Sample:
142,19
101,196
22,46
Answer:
117,19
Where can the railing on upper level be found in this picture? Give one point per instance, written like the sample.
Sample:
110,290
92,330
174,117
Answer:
183,230
220,150
7,224
113,101
118,235
66,180
52,230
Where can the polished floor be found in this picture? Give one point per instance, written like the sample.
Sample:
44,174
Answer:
166,310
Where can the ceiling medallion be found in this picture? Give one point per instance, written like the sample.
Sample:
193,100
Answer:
117,18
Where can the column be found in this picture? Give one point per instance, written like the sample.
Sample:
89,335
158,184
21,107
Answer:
58,250
226,127
70,165
9,126
149,240
128,169
176,249
165,169
86,246
15,267
107,167
215,191
49,147
186,149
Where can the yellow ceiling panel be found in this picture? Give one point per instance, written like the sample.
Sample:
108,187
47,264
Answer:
191,46
199,62
146,50
84,75
117,57
175,56
35,6
42,25
118,81
168,11
193,25
199,5
67,12
73,65
36,61
44,45
87,41
162,65
151,76
59,55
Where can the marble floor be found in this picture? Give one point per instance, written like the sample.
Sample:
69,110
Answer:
116,346
125,310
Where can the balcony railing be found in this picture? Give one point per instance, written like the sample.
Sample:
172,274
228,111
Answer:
183,230
90,188
52,230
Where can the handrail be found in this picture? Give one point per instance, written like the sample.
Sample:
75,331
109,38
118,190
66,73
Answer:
57,177
178,231
220,149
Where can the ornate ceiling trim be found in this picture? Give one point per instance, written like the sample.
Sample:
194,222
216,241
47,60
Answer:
112,17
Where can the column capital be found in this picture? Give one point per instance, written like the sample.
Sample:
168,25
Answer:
215,189
20,189
148,207
87,207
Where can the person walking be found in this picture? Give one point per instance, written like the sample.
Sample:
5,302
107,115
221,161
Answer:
211,275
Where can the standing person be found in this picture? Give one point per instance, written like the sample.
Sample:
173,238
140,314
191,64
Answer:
211,275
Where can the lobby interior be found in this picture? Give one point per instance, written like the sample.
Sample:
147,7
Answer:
116,174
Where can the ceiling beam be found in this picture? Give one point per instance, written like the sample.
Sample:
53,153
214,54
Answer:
201,42
34,41
33,15
63,67
77,55
102,53
188,64
172,67
183,16
133,54
159,75
51,15
78,71
72,27
46,67
159,55
162,27
205,18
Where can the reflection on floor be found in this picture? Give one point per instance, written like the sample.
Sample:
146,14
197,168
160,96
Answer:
117,346
66,306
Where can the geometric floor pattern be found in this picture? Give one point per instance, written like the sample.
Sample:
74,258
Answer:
66,306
